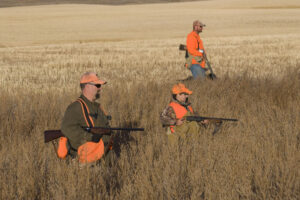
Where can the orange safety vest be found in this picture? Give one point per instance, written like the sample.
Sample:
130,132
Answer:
195,49
87,152
180,112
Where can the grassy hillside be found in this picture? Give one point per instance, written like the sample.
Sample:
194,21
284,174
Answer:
10,3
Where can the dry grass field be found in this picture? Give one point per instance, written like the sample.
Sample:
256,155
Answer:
254,49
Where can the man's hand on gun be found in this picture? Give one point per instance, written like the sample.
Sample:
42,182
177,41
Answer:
205,122
180,121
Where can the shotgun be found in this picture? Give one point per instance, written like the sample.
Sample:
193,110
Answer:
215,120
50,135
212,119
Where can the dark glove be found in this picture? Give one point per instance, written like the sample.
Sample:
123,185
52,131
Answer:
96,138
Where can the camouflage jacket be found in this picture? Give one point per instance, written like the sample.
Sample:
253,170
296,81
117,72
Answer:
168,116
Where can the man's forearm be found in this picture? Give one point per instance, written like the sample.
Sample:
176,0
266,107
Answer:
167,121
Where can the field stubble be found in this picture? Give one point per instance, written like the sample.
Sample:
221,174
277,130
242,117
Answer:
256,158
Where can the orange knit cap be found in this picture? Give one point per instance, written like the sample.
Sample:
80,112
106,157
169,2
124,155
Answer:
180,88
90,77
197,22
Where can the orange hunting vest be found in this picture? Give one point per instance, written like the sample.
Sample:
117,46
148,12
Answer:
195,49
180,111
87,152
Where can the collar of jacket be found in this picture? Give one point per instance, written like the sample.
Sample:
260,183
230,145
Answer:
186,104
88,102
85,99
195,34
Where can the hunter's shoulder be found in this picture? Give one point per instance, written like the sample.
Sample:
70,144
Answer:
193,34
167,110
190,34
74,106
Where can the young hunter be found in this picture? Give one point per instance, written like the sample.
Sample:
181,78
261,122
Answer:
85,112
173,115
195,60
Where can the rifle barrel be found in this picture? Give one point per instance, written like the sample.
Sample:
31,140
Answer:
113,129
200,118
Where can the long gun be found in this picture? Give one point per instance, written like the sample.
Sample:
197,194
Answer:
212,119
50,135
212,76
215,120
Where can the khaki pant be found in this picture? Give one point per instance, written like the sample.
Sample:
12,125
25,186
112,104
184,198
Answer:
186,131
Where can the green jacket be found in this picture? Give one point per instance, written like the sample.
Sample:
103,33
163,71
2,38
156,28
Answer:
74,120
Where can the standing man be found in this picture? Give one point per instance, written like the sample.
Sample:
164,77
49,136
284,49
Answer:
85,112
195,51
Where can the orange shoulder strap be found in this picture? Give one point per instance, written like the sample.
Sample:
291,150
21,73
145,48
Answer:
63,150
86,113
191,109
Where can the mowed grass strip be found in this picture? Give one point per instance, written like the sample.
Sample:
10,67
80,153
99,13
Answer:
10,3
57,24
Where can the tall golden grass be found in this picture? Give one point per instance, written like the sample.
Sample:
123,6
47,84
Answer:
256,158
259,83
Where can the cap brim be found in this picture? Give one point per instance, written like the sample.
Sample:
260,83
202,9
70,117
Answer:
188,91
99,82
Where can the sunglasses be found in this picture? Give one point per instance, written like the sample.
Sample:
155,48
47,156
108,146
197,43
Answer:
97,85
183,93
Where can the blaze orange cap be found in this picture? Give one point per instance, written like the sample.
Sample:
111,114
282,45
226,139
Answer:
180,88
197,22
91,77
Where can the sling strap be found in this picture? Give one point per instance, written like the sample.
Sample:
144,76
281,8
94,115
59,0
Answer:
64,146
86,113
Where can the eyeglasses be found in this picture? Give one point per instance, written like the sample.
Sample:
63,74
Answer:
183,93
97,85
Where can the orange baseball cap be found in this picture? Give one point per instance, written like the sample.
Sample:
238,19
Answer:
180,88
91,77
197,22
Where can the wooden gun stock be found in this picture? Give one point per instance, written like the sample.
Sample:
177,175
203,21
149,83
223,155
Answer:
182,47
50,135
